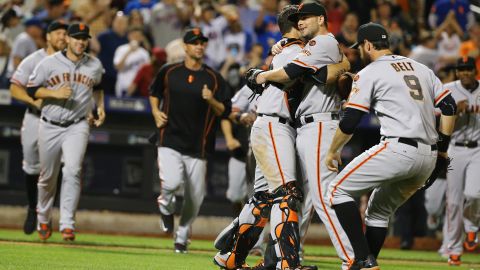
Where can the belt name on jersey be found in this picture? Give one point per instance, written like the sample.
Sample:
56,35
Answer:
66,78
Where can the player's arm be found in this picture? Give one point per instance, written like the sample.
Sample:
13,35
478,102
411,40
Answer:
20,93
99,98
335,70
447,123
217,106
227,131
344,133
156,95
64,92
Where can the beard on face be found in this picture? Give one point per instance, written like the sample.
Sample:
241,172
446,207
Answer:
364,56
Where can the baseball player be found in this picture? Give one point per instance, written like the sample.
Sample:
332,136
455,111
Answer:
192,97
66,82
403,94
463,185
316,116
56,33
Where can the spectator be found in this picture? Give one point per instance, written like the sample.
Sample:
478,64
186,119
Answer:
10,20
471,47
426,52
54,10
128,59
254,58
144,77
168,19
94,13
347,37
106,45
248,16
449,35
237,41
266,27
175,51
26,43
441,8
4,53
336,10
143,6
135,20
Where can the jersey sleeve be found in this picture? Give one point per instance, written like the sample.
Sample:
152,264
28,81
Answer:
158,86
39,76
240,102
361,94
319,52
23,71
439,92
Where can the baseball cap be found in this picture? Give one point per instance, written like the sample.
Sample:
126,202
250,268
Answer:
371,32
193,35
34,22
78,30
465,63
313,8
55,25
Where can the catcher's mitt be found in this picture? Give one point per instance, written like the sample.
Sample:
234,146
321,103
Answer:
344,84
441,167
251,77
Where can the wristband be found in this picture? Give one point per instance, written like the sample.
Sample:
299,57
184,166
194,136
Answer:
443,142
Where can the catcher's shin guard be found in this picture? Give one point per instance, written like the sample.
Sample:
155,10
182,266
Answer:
235,241
284,223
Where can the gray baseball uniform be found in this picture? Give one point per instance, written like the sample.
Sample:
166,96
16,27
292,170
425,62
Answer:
463,185
317,116
29,135
403,94
63,130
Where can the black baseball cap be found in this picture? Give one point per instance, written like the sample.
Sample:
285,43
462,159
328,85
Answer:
55,25
315,9
466,63
79,30
371,32
192,35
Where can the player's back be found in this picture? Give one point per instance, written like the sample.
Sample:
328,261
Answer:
403,93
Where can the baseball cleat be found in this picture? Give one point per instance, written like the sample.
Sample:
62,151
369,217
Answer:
30,221
471,241
44,230
370,263
454,260
167,223
68,234
180,248
261,266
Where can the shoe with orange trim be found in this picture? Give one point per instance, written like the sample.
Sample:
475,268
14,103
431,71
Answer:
454,260
261,266
368,264
471,241
68,234
44,230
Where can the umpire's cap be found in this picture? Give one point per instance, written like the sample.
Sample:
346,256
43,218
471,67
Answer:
192,35
313,8
55,25
371,32
466,63
79,30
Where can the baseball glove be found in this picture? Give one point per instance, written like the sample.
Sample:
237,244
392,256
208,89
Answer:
344,84
441,167
251,77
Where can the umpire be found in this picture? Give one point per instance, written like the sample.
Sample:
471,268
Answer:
186,99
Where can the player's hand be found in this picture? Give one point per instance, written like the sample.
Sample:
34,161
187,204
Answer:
247,119
101,117
233,144
90,119
160,119
277,48
462,107
333,160
64,92
207,94
37,104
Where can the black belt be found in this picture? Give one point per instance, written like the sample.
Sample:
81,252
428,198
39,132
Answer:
280,119
33,111
63,124
310,119
468,144
413,143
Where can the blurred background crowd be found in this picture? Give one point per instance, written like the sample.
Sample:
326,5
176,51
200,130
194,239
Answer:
133,39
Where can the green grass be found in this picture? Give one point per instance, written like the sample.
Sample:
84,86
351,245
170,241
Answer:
93,251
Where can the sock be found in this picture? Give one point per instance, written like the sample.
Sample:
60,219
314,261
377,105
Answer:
351,221
31,181
375,238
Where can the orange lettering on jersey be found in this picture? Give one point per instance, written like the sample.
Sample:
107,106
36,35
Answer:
306,52
190,78
397,69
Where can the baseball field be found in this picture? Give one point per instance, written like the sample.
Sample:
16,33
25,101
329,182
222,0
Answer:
96,251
